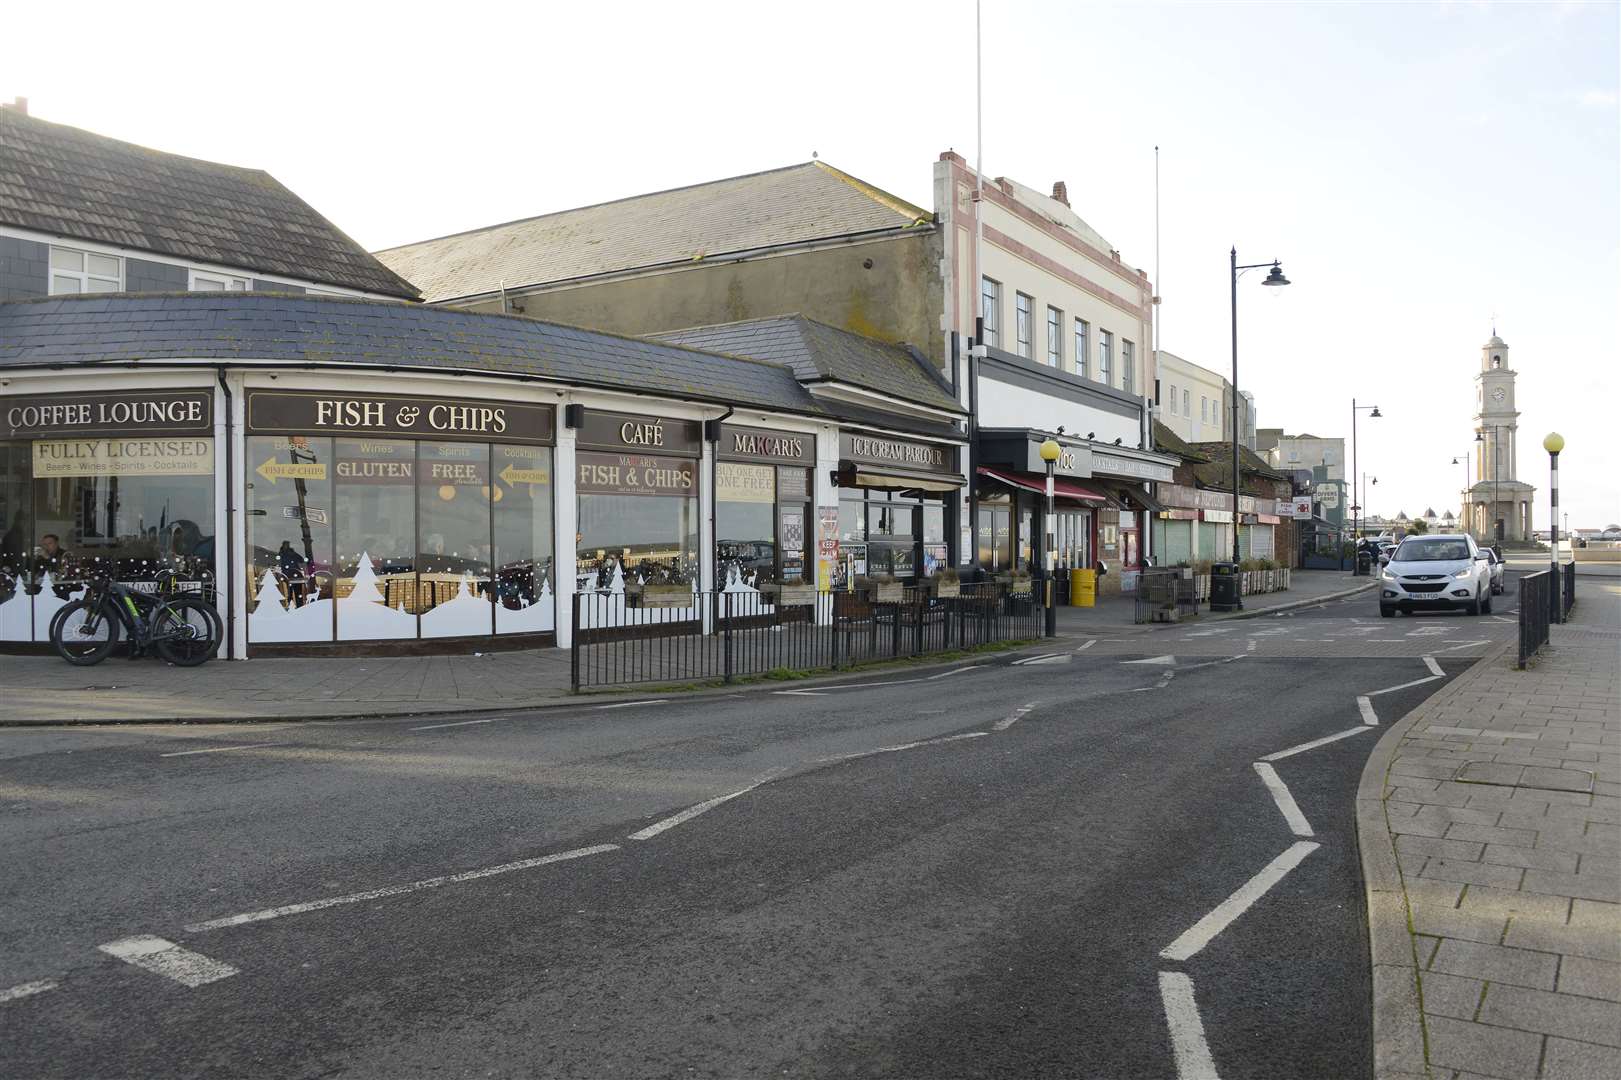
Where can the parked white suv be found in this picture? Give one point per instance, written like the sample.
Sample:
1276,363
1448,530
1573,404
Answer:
1435,572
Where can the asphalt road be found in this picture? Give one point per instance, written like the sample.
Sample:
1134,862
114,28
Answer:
998,870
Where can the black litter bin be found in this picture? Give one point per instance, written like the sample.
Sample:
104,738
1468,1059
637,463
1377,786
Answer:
1364,563
1225,594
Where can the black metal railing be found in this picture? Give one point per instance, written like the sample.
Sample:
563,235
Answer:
1567,590
1536,591
707,636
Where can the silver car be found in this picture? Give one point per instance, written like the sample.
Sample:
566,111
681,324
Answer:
1436,573
1497,570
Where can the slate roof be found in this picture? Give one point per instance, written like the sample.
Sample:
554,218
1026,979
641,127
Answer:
68,182
821,353
1169,442
1217,470
108,328
791,205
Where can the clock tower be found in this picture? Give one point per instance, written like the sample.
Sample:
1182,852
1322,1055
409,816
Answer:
1498,507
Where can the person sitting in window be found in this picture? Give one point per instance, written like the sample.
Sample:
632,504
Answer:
50,557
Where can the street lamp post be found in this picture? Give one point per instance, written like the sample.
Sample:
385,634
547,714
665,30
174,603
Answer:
1234,601
1553,443
1049,454
1356,504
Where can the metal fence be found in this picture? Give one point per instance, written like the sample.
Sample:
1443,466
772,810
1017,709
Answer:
1536,599
1567,590
1166,594
619,640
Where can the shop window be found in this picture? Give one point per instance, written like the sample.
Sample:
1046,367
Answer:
17,553
638,521
745,526
289,537
1026,539
995,536
523,539
453,524
376,491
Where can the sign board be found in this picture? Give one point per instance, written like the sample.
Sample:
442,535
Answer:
862,449
736,483
1328,495
1300,507
283,412
827,545
1112,465
123,457
311,514
1223,517
133,412
634,474
600,430
757,444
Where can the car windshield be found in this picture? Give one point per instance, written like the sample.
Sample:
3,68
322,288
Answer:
1432,549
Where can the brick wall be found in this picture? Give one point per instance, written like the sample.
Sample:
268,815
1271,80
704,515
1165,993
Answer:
24,268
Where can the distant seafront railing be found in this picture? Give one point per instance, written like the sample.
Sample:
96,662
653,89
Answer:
719,636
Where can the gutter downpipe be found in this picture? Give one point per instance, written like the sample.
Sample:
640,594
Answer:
230,521
714,499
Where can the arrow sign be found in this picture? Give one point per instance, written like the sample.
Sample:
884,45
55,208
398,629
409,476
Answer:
273,470
1152,660
513,476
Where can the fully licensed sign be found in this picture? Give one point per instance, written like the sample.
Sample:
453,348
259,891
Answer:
133,412
123,457
281,412
634,474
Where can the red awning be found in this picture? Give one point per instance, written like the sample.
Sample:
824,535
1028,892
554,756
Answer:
1064,489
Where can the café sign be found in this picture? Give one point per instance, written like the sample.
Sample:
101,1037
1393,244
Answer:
133,412
280,412
600,430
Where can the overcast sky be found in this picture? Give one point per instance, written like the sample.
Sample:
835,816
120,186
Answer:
1417,167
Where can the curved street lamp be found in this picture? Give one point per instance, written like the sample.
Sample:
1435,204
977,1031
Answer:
1356,502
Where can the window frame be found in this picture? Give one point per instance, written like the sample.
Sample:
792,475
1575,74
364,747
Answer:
226,282
1128,366
83,276
1083,344
990,310
1055,338
1024,325
1173,398
1106,357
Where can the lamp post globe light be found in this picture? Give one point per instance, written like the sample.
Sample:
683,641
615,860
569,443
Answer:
1049,455
1554,442
1225,592
1356,503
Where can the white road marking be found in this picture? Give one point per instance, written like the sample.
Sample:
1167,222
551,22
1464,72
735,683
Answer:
1087,644
955,671
1314,744
1205,930
1369,717
1465,645
459,723
1435,669
704,807
1427,631
849,686
165,958
798,693
1286,802
27,989
1014,717
1504,618
1153,660
220,749
633,704
1249,646
1193,1060
1404,686
395,890
1045,658
903,746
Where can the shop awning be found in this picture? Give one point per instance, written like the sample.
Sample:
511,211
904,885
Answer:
1066,489
1136,495
904,480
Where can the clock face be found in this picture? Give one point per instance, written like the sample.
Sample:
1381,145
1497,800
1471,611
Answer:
1499,394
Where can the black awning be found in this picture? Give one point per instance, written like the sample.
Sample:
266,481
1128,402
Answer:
1135,496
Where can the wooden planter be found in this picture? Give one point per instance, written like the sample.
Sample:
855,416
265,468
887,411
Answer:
1021,586
945,590
660,596
882,592
789,595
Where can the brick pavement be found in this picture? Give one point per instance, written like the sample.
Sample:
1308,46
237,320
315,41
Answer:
1490,827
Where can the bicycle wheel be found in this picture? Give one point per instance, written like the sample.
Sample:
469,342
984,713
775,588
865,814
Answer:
185,631
83,633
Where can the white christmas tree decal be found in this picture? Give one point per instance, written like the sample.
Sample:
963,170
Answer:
365,589
269,598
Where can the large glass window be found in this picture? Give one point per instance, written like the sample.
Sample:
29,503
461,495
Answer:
376,538
995,534
638,521
1055,337
289,526
74,271
523,539
1106,357
16,544
1128,367
453,589
745,525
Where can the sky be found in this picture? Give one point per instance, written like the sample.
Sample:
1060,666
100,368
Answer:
1419,168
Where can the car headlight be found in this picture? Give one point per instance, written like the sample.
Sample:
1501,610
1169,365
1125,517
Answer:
1386,575
1465,572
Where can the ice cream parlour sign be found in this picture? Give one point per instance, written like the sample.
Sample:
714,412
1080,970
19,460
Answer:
877,450
280,412
132,412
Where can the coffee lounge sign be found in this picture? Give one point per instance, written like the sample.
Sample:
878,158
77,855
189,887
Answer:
134,412
281,412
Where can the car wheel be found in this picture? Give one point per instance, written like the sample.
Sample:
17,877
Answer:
1486,608
1386,612
1473,607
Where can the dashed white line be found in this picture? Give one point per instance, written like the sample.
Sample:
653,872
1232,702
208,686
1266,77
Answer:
1192,1052
1369,717
162,957
1286,802
1046,658
220,749
1404,686
955,671
1014,717
633,704
1464,645
395,890
1315,743
1435,669
459,723
693,811
1249,646
1087,644
27,989
1205,930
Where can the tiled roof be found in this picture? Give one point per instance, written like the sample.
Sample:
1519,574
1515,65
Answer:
118,328
821,353
1218,470
792,205
1168,441
72,183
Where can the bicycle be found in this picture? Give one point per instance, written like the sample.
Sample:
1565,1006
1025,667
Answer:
184,630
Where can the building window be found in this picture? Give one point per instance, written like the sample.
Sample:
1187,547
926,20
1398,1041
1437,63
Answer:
990,310
1186,407
1024,325
84,272
1105,358
1204,409
1128,369
201,282
1081,353
1055,338
1173,399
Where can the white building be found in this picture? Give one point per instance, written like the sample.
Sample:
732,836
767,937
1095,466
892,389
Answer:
1307,451
1190,400
1499,504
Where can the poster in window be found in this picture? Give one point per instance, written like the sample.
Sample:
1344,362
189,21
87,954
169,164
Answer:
827,546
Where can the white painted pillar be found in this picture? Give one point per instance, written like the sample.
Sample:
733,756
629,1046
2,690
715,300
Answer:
566,513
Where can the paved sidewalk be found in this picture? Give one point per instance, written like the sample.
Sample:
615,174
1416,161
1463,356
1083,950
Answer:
1117,613
1489,820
